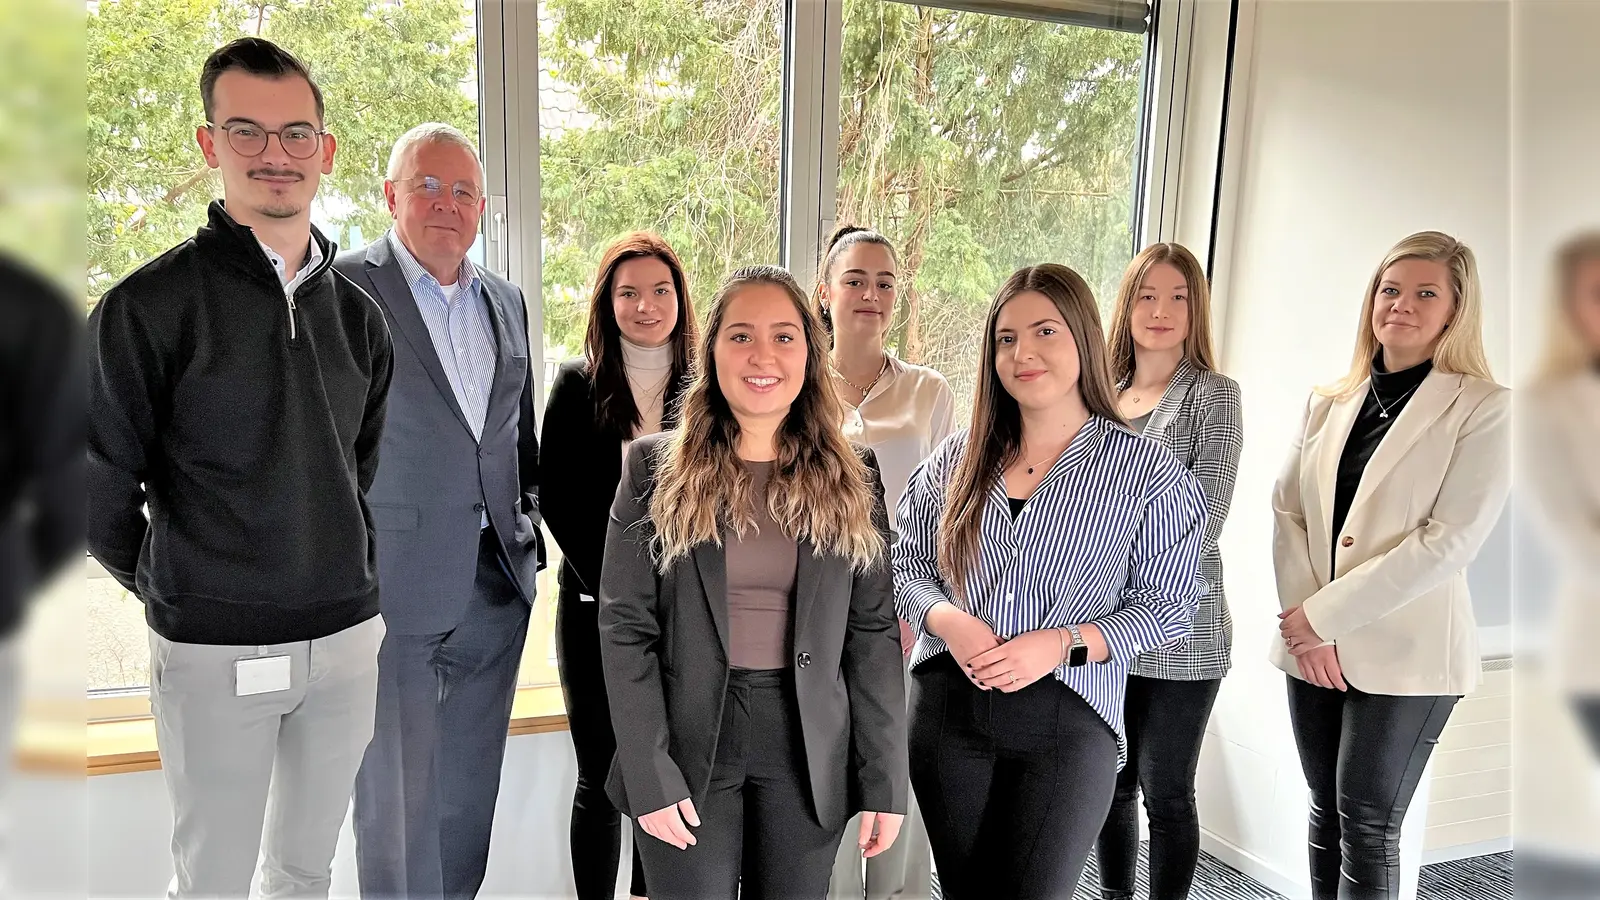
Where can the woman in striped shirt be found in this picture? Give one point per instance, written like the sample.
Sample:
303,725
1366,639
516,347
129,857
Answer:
1040,551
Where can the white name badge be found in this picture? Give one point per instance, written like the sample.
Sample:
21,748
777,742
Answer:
260,675
585,598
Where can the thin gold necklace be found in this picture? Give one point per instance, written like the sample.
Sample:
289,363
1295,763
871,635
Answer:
871,384
1055,455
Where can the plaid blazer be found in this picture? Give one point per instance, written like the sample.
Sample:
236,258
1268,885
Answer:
1199,420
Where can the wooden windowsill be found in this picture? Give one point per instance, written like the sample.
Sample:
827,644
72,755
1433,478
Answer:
129,745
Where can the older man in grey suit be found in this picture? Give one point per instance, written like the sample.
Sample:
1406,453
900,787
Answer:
456,514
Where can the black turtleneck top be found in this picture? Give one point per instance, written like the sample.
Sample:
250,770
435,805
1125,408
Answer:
1389,393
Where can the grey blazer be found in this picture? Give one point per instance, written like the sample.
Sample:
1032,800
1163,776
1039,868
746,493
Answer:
434,478
664,645
1199,419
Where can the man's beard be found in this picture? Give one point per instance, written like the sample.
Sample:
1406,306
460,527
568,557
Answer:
280,211
279,208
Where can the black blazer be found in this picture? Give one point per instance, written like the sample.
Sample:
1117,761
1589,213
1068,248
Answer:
580,466
663,640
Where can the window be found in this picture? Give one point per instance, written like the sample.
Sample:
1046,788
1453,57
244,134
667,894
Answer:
383,67
652,115
657,115
979,144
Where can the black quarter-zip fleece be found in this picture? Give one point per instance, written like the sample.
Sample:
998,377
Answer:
249,423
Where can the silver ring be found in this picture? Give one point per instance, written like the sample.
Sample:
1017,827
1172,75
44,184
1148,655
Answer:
1013,679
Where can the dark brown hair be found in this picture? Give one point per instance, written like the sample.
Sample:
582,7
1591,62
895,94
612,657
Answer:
255,56
602,342
995,438
843,238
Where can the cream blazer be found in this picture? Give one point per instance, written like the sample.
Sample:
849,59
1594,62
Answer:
1396,601
1558,431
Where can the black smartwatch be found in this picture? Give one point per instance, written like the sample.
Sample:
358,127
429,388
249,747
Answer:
1078,653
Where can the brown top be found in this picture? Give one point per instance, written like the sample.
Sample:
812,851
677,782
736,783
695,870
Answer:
761,577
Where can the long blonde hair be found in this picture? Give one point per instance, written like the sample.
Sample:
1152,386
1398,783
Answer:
820,489
1564,352
1197,345
1460,348
995,437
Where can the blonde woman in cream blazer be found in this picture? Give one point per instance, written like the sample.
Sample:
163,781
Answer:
1394,482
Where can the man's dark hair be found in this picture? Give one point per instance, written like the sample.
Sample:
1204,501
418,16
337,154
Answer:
255,56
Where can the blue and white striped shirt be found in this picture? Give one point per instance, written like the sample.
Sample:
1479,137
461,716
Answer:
458,322
1111,536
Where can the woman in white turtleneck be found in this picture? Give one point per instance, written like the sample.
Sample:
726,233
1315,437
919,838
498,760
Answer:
638,353
649,369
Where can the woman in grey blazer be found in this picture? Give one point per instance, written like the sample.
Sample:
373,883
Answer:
748,635
1170,391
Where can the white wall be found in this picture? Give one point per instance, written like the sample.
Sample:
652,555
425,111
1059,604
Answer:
1355,123
130,826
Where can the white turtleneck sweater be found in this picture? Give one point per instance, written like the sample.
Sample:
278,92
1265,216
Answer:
648,369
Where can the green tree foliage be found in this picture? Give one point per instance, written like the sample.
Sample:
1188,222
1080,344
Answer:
659,114
383,67
979,143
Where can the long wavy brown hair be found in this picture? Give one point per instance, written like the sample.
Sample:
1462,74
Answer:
602,342
995,438
820,489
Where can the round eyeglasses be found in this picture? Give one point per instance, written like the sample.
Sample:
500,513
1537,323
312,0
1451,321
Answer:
465,193
250,139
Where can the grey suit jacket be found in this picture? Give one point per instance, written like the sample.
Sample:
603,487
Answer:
664,644
1199,419
434,478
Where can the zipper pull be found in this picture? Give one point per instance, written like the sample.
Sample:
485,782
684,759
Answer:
290,299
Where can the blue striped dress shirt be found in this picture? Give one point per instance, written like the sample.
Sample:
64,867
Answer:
1110,536
462,335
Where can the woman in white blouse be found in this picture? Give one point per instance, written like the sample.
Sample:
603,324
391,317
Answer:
902,411
1395,480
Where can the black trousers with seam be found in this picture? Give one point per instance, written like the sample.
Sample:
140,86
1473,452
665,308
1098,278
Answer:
1363,756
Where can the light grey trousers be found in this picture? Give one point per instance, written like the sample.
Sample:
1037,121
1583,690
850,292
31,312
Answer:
265,776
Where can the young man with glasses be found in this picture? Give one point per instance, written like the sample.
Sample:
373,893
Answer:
236,392
457,524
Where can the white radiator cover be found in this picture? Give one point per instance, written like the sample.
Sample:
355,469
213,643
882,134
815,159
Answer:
1469,790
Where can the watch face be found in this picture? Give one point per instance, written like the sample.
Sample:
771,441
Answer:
1078,656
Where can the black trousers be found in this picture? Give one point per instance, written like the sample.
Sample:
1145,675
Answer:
1165,722
1013,787
1363,756
596,829
759,838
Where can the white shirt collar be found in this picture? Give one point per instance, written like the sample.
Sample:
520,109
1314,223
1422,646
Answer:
291,282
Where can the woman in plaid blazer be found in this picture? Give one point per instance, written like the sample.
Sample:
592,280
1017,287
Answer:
1170,391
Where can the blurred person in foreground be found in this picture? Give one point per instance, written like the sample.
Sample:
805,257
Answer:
1558,427
41,464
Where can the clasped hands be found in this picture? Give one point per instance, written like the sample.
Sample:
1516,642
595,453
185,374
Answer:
989,662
